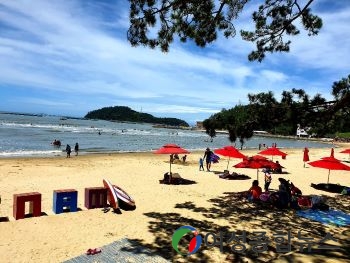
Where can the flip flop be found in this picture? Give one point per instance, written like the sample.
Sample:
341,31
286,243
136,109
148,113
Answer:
105,210
96,251
89,251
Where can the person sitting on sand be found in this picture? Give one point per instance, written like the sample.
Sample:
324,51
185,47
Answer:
184,158
284,195
225,175
278,170
167,178
254,192
295,191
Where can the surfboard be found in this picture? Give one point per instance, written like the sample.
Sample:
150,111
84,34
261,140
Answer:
124,196
112,194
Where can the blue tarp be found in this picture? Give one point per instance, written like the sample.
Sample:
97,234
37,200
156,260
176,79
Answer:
331,217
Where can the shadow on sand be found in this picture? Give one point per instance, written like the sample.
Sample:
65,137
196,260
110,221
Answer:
331,188
252,217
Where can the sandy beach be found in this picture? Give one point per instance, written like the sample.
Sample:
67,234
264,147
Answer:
209,205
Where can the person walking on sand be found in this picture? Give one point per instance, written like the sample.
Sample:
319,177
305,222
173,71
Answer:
207,156
201,168
76,149
68,150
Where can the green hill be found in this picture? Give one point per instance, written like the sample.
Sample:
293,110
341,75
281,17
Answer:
122,113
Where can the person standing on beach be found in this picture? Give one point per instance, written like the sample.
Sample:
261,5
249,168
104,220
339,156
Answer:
201,168
68,150
76,149
268,180
207,156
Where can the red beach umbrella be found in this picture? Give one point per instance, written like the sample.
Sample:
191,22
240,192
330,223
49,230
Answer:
330,163
229,151
256,158
346,151
171,149
273,151
306,156
331,159
256,163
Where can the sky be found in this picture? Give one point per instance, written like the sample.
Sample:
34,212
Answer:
70,57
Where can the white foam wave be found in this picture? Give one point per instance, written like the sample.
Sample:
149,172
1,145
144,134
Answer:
30,153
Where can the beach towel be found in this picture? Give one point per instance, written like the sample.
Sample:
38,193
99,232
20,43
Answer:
214,158
330,217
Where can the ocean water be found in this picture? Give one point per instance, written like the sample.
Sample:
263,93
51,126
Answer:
23,135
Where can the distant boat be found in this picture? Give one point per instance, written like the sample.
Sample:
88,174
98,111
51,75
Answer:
63,118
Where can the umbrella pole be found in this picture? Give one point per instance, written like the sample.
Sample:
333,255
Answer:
304,164
257,174
228,163
329,171
170,166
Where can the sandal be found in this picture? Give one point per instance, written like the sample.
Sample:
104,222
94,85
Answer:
105,210
96,251
89,251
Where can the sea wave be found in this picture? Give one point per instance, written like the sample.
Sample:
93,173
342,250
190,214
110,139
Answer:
30,153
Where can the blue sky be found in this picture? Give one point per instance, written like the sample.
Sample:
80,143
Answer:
71,57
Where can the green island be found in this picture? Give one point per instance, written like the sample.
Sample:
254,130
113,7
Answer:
123,113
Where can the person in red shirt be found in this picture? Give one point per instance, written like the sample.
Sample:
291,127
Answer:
255,191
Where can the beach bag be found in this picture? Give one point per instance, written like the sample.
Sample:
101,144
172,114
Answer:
304,201
318,202
264,197
346,191
315,200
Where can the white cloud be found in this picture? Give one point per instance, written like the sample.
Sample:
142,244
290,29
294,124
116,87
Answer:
76,51
44,102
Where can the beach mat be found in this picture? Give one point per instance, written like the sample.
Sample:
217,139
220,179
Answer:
121,251
331,217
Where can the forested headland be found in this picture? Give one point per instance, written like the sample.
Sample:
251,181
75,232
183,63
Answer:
296,108
123,113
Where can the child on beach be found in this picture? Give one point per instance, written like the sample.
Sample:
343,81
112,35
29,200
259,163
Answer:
201,167
68,150
268,179
76,149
